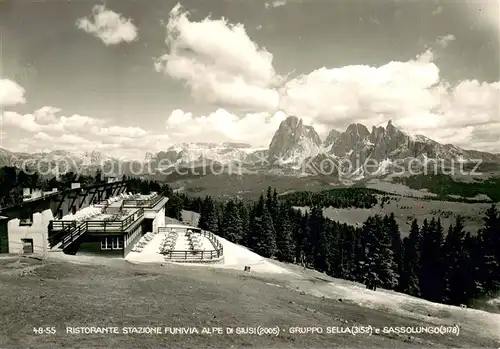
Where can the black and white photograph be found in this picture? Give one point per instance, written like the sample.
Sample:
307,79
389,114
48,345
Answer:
249,174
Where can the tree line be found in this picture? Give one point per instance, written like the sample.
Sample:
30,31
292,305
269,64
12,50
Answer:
453,268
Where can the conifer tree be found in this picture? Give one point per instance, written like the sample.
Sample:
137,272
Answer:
392,229
430,278
490,250
379,257
209,219
231,224
314,228
301,239
454,263
245,221
265,236
284,236
408,281
370,253
324,250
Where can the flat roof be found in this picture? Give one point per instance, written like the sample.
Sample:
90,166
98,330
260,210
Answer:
102,216
181,226
159,204
57,193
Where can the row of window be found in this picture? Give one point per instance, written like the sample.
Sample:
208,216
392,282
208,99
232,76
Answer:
112,243
132,235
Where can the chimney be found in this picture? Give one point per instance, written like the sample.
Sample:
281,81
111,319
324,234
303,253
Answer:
75,185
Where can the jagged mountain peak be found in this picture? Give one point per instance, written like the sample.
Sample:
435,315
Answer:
291,121
357,129
332,136
293,141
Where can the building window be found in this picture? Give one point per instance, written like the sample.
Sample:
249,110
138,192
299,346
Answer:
117,243
106,244
109,243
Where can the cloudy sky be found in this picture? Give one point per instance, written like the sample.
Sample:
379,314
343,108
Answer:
126,77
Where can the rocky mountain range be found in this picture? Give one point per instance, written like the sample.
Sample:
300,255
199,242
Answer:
357,149
293,148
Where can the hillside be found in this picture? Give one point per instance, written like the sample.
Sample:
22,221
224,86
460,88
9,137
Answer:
406,209
103,292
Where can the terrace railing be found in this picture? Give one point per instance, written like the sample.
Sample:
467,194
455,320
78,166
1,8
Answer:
74,235
147,203
194,255
59,229
68,231
118,226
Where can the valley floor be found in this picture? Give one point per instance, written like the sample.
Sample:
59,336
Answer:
105,292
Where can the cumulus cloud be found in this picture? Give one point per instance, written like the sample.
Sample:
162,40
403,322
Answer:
339,94
219,63
47,130
221,125
111,27
410,93
444,40
11,93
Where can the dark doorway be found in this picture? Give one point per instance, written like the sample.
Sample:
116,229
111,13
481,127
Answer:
27,246
147,225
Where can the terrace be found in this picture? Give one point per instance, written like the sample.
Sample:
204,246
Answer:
105,218
145,201
178,243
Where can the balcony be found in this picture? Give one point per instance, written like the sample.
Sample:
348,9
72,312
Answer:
68,231
143,202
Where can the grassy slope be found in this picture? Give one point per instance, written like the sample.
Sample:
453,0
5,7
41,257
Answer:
247,186
406,209
444,185
120,294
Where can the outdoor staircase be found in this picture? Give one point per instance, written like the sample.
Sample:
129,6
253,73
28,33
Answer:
69,234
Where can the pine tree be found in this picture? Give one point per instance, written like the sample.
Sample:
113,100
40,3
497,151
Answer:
408,281
379,258
209,219
454,263
314,229
396,243
430,278
284,235
264,234
387,263
300,238
174,207
472,267
323,251
245,221
231,224
490,250
368,266
349,240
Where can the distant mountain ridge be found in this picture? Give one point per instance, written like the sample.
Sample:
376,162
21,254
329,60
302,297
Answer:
292,145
